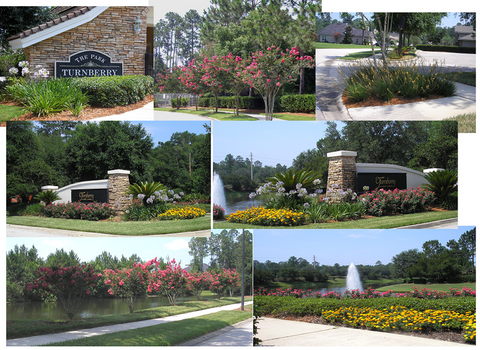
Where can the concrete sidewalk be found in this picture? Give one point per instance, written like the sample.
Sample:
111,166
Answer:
83,333
163,115
275,332
239,334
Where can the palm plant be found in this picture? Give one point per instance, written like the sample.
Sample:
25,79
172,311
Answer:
445,185
145,190
47,197
291,179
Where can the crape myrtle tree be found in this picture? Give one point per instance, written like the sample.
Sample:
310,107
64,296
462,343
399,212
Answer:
272,68
69,284
129,283
171,83
171,281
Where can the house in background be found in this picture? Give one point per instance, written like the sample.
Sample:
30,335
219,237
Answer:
91,40
326,35
464,37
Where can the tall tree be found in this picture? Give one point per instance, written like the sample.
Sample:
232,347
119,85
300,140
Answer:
467,242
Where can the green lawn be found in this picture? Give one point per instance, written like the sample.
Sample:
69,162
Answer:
468,78
337,282
171,333
126,228
28,328
359,55
467,123
340,46
371,223
408,287
10,112
209,114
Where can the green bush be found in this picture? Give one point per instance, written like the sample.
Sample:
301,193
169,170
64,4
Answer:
45,97
297,103
444,184
10,58
245,102
80,211
35,209
183,102
117,90
447,48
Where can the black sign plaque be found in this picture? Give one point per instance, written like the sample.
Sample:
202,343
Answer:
376,181
90,196
88,64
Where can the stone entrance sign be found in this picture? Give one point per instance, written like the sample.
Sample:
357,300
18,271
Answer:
88,64
90,195
376,181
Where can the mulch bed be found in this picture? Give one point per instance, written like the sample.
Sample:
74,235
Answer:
373,101
445,336
87,113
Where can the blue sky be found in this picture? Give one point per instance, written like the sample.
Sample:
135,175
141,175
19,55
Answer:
449,21
163,130
345,246
87,249
270,142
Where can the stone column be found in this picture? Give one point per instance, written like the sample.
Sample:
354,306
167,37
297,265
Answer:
49,188
342,170
118,183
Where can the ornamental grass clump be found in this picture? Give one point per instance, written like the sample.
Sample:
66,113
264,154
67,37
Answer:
361,80
268,217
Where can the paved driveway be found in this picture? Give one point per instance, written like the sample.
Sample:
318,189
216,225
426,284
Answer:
464,61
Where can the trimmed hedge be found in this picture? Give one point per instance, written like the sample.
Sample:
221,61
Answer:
447,48
286,103
183,102
116,91
298,103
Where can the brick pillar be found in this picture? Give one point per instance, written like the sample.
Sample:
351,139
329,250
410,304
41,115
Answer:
118,183
342,170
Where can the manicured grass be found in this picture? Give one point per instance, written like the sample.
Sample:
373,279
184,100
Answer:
209,114
468,78
443,287
10,112
359,55
126,228
370,223
28,328
467,123
167,333
340,46
292,117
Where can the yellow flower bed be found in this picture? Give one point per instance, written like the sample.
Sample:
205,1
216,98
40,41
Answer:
268,217
401,318
182,213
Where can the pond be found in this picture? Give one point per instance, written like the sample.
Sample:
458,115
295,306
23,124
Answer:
240,201
89,308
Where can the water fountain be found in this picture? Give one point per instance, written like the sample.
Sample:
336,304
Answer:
353,278
218,194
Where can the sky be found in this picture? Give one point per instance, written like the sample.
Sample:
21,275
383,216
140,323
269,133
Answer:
362,247
161,131
88,249
450,21
270,142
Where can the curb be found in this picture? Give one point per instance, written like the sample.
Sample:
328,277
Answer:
430,224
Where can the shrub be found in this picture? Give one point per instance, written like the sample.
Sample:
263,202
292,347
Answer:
117,90
47,197
298,103
218,212
183,102
147,192
45,97
81,211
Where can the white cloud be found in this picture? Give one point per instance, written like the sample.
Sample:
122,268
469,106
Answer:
178,244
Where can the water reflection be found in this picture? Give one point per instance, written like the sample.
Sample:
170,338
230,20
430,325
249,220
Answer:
240,201
88,308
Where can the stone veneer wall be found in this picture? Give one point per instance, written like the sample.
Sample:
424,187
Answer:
118,183
111,33
342,170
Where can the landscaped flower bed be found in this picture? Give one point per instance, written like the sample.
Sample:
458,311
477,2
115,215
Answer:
182,213
268,217
77,210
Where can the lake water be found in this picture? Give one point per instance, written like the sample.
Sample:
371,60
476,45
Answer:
240,202
89,308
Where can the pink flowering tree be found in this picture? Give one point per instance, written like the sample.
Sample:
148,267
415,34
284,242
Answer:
214,76
172,282
128,284
191,78
271,69
198,283
231,279
232,67
225,281
69,284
